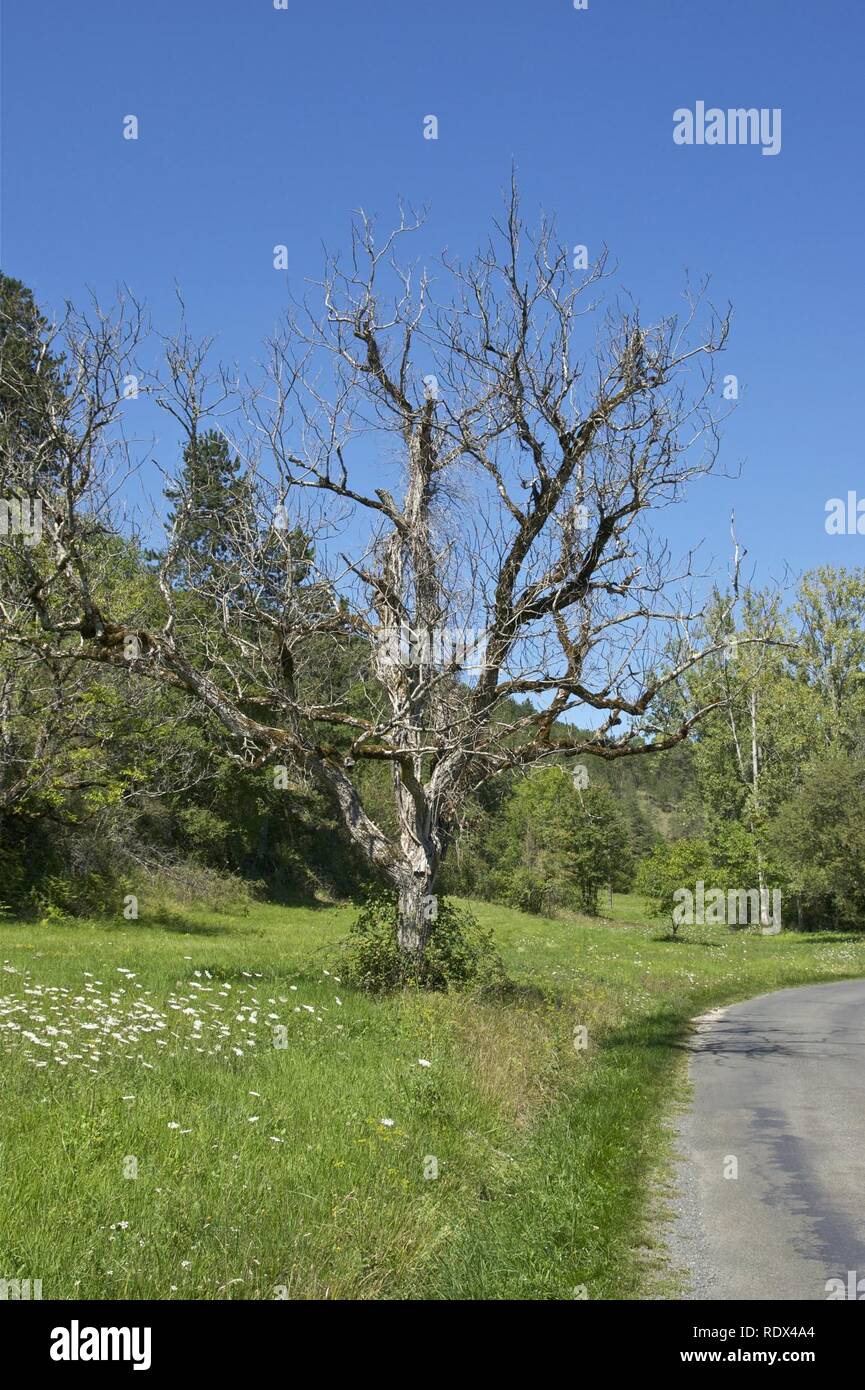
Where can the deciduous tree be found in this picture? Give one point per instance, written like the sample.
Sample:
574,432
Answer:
475,460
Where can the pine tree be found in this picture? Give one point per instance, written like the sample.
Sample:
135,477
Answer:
32,382
210,505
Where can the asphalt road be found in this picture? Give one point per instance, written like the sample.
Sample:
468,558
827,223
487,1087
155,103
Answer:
778,1086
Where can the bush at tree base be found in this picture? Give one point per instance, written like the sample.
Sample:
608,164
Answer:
460,952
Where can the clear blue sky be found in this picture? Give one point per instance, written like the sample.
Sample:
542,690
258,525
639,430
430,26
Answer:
260,126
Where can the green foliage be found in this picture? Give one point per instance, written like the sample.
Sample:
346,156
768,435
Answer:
729,859
551,846
668,868
819,836
460,952
735,855
63,896
209,505
32,381
831,611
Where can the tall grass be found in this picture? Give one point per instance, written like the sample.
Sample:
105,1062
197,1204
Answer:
292,1137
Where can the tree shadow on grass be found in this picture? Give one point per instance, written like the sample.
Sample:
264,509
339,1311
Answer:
666,1029
183,927
509,991
163,919
669,939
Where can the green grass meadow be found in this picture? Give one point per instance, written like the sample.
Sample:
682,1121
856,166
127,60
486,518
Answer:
199,1106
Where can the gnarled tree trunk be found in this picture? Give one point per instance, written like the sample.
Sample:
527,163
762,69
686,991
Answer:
415,915
524,477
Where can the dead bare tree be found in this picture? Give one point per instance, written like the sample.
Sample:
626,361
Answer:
447,490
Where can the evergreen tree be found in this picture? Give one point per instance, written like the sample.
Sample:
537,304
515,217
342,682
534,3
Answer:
32,383
209,507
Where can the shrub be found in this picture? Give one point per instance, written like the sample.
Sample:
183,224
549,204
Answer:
530,891
668,868
63,896
460,952
188,885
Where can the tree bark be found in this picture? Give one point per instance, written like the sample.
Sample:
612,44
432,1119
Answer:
414,917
